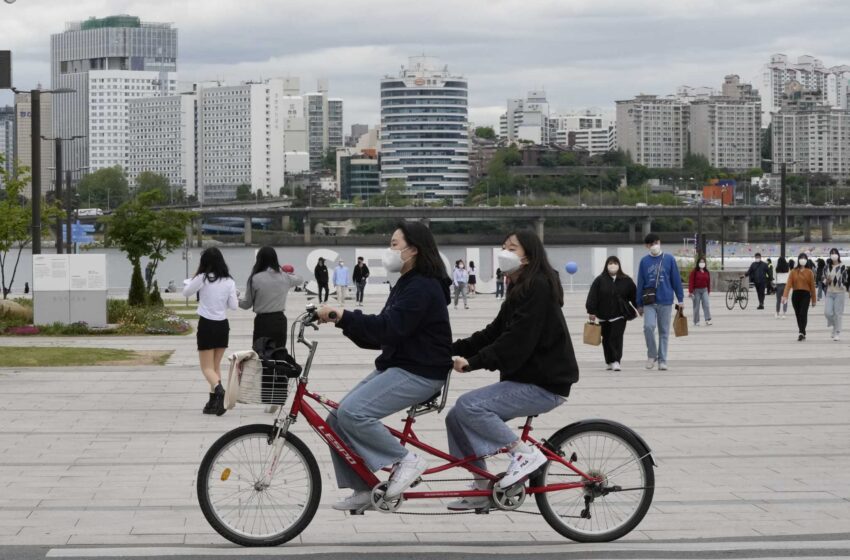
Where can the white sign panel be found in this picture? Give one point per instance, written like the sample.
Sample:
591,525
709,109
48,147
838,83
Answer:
88,273
50,273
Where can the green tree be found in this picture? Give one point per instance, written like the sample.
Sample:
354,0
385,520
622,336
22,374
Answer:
567,158
394,194
485,132
329,160
105,188
150,181
243,192
140,230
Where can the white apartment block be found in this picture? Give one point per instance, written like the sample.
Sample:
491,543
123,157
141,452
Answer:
110,92
810,72
161,139
727,132
653,130
324,124
527,119
240,134
23,139
587,131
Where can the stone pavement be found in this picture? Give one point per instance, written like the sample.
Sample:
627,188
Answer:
750,429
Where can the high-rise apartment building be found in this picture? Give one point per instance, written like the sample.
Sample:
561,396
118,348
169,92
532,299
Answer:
240,132
587,130
424,131
324,124
161,139
7,138
654,130
831,83
528,119
106,45
23,138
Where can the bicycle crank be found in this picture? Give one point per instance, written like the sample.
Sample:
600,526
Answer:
385,505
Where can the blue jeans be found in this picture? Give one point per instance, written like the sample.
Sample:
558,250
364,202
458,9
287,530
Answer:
358,419
833,308
701,298
657,315
476,423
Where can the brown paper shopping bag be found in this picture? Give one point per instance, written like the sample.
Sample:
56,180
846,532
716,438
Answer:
680,323
592,333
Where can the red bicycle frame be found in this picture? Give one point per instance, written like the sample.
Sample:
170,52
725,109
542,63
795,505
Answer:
407,436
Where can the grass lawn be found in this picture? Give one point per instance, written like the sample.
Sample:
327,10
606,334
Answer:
34,356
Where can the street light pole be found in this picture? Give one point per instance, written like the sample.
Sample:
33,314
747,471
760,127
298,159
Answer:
722,228
782,209
58,193
35,172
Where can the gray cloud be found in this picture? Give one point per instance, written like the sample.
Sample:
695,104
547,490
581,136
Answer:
584,52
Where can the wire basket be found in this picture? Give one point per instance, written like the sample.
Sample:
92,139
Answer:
261,383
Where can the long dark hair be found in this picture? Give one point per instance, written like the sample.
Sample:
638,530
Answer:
782,265
537,266
615,260
803,256
428,261
212,265
834,251
266,259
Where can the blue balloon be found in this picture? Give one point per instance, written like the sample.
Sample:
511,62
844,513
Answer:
571,267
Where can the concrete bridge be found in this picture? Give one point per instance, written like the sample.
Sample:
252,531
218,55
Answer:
636,216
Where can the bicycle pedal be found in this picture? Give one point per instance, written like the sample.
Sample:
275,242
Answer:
483,511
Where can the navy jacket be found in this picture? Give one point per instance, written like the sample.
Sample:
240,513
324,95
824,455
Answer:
412,331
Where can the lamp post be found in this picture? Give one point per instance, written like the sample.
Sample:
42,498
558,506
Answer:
722,228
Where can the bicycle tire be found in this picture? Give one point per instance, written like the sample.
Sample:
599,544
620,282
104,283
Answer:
232,480
731,299
743,298
567,441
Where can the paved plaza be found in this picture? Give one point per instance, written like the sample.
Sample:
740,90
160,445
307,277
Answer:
750,430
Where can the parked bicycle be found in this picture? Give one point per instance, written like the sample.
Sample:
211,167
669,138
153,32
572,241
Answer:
259,485
738,293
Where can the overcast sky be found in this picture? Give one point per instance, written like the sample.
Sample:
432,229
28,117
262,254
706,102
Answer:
585,53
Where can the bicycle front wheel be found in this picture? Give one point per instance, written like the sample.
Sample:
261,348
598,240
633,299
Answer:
743,298
730,299
251,500
605,511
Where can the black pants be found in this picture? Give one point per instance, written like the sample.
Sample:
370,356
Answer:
323,286
801,299
271,325
760,293
612,340
500,288
359,293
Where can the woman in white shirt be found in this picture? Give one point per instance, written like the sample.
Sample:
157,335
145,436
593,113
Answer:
217,292
782,271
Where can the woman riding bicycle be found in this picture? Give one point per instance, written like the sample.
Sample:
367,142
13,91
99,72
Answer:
414,335
529,344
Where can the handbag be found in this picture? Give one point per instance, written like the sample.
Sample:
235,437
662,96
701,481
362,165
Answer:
680,323
592,333
628,310
648,295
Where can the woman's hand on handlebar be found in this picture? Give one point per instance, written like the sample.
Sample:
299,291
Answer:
328,314
460,364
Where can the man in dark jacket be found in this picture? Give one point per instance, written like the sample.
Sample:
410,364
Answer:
321,275
360,274
757,274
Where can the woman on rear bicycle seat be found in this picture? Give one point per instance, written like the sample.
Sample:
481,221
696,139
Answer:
529,344
415,337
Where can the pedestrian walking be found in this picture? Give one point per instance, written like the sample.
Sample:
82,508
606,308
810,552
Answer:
658,283
801,286
320,273
414,335
609,301
782,270
341,282
459,279
771,288
836,278
473,278
757,273
500,283
528,343
266,293
359,276
216,294
699,288
819,279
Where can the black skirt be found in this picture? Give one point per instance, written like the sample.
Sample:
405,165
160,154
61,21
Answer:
271,325
212,334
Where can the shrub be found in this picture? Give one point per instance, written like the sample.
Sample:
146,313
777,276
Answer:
115,310
154,298
137,295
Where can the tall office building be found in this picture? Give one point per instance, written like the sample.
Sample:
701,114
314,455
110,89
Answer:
527,119
23,139
161,139
240,136
831,83
654,130
586,130
324,124
424,131
106,45
7,138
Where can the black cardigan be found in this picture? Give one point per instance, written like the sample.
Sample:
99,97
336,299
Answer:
528,342
606,293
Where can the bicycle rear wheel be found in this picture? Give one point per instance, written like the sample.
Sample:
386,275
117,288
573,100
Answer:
246,507
598,512
730,299
743,298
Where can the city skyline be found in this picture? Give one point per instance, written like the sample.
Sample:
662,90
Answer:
574,51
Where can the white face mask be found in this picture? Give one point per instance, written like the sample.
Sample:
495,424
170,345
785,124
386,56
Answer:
392,260
834,257
508,261
655,250
802,262
702,265
613,269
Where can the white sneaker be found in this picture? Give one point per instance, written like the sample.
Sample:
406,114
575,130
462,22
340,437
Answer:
784,315
609,367
662,366
473,502
776,315
708,323
522,465
405,473
650,364
696,324
615,366
357,501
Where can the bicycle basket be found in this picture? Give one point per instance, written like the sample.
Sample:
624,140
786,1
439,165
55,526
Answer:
260,382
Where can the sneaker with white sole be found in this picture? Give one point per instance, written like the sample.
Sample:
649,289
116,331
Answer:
470,502
615,366
357,501
522,465
662,366
609,367
837,337
708,323
405,473
650,364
